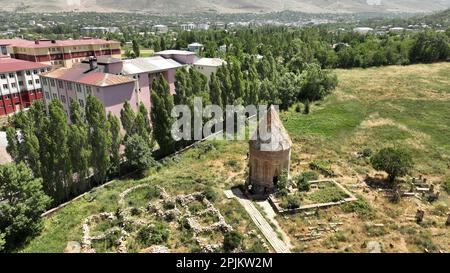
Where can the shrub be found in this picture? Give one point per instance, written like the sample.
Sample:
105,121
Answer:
210,194
153,235
232,240
367,152
446,185
293,202
298,108
304,179
283,181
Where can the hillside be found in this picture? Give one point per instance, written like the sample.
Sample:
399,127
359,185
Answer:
229,6
405,106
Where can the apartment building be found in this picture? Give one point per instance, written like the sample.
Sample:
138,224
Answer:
19,84
111,80
60,53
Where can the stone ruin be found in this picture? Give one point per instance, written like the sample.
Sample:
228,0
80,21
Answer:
127,214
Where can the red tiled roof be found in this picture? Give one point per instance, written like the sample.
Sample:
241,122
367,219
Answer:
48,43
11,65
79,75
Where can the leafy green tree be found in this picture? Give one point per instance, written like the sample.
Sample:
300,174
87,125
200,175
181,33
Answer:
13,147
316,83
99,138
79,148
127,117
23,202
162,104
138,153
116,141
136,49
232,240
215,93
56,167
395,161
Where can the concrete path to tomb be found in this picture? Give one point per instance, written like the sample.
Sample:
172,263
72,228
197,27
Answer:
266,229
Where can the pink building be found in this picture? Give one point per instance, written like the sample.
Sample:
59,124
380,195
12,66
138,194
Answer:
78,83
111,80
19,84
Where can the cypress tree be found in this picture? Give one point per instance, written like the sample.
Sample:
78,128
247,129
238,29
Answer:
116,141
215,93
99,138
162,104
127,117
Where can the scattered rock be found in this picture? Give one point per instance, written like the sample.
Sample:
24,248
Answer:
73,247
374,247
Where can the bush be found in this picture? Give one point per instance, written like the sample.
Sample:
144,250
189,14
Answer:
153,235
283,181
298,108
446,185
293,202
304,179
367,152
210,194
138,153
232,240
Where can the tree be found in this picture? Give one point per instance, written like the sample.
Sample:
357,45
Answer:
127,117
232,240
13,148
23,202
316,83
162,105
215,93
116,140
138,153
79,148
136,49
99,138
56,167
396,162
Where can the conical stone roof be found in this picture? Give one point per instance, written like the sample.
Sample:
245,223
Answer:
270,135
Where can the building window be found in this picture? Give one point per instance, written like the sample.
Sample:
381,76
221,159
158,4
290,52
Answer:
88,89
60,84
44,81
11,75
63,99
28,72
52,82
5,86
19,73
2,76
13,85
35,71
30,82
55,97
69,85
81,102
16,95
42,70
37,81
78,88
20,83
47,95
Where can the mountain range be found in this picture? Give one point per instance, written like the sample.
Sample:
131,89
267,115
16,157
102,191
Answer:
227,6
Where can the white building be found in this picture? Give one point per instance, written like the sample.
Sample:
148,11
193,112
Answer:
363,30
195,47
160,29
207,66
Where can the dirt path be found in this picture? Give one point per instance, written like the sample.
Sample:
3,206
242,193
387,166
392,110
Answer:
271,235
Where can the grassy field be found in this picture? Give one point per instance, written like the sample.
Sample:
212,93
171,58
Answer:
371,108
145,52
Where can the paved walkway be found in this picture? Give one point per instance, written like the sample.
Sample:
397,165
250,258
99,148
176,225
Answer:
271,235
